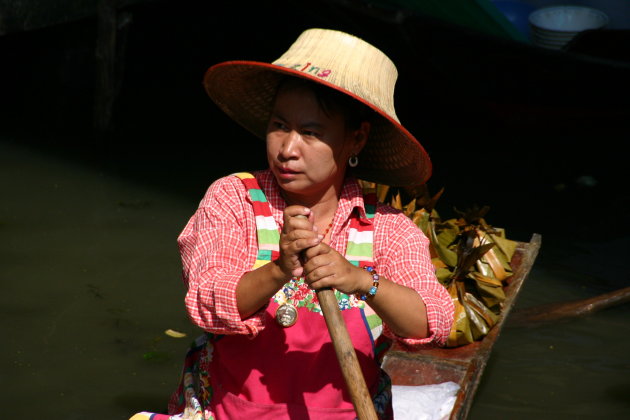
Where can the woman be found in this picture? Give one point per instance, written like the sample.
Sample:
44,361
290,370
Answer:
261,243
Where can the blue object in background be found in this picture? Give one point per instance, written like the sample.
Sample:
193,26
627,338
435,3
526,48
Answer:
517,13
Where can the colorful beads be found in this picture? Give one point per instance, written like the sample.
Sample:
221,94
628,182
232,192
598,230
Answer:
375,282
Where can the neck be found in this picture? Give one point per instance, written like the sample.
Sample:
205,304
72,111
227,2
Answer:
323,206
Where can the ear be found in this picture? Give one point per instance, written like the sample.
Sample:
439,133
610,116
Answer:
360,137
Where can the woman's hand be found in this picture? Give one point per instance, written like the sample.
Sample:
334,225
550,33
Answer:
400,307
256,287
298,234
325,267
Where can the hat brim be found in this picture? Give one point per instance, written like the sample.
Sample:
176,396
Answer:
245,91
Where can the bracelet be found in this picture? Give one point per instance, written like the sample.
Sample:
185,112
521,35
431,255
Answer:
375,279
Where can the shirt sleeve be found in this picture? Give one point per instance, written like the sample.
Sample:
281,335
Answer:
218,246
404,258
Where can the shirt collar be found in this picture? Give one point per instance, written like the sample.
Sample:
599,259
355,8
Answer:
351,197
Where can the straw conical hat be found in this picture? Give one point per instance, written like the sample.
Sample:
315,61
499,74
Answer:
245,90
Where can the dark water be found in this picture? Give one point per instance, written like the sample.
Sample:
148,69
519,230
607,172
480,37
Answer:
90,279
574,369
90,276
89,267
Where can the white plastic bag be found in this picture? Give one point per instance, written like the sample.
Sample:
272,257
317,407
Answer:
424,402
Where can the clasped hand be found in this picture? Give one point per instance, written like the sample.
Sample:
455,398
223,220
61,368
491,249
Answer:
303,253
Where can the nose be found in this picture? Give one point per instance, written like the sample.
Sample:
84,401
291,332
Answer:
290,145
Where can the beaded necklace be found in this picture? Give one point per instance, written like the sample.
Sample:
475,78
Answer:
327,229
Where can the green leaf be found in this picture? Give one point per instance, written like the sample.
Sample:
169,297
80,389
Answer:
444,275
507,248
491,293
440,244
481,316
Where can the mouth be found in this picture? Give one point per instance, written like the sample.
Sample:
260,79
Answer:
286,174
287,171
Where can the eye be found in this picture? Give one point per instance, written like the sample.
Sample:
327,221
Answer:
311,133
279,125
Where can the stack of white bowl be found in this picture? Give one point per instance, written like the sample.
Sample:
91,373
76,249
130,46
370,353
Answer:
553,27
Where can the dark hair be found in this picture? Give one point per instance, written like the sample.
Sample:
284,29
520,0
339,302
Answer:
331,100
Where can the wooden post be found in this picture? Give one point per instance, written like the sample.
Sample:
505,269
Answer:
106,83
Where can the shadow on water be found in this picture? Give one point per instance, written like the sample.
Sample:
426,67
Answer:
88,259
618,394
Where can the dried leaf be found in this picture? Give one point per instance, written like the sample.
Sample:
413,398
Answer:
484,268
471,257
396,202
507,247
490,281
424,199
490,257
461,332
174,334
480,310
474,215
438,263
441,247
467,257
421,219
381,192
489,290
410,208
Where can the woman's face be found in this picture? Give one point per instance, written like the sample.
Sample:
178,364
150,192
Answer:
308,149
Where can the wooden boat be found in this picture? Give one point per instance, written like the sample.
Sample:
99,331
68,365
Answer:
463,365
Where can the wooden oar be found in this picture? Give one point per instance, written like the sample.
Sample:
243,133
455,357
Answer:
346,355
552,312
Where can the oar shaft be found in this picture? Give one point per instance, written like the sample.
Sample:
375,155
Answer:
346,355
558,311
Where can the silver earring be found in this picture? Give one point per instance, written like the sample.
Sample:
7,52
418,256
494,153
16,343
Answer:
353,161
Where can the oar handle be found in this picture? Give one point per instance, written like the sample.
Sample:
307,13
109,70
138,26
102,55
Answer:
346,355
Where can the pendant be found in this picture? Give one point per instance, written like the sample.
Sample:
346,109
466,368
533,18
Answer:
286,315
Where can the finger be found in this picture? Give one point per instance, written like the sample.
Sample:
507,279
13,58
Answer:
315,262
300,240
321,283
292,211
310,216
297,217
297,223
320,249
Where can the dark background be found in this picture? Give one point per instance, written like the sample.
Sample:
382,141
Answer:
537,135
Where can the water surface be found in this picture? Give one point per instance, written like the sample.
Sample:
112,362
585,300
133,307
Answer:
90,277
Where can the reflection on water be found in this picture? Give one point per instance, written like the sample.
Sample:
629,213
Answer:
90,282
576,369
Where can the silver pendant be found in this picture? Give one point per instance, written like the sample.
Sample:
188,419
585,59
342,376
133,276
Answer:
286,315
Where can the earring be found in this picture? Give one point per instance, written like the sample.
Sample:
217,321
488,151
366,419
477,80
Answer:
353,161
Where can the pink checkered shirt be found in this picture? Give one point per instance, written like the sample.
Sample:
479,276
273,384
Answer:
219,245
